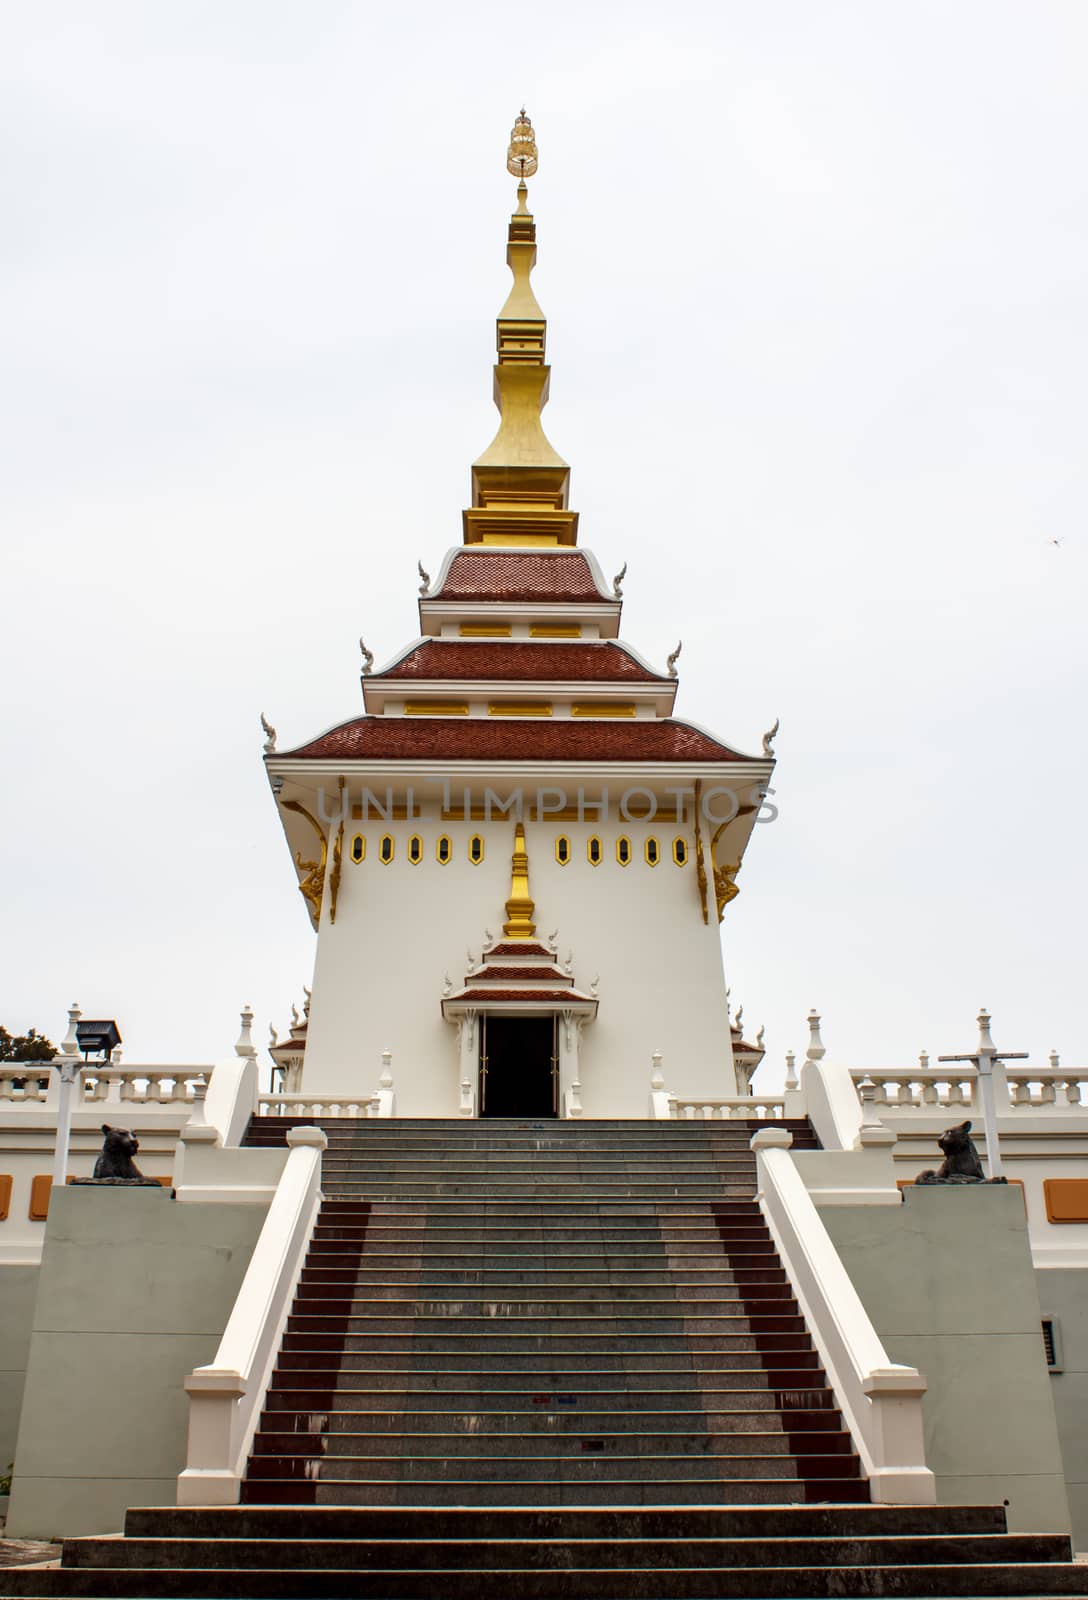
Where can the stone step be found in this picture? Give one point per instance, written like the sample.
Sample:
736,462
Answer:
559,1413
650,1280
560,1363
424,1290
561,1555
591,1400
427,1320
601,1234
654,1521
581,1255
683,1490
591,1466
457,1302
574,1583
545,1442
536,1345
567,1170
335,1374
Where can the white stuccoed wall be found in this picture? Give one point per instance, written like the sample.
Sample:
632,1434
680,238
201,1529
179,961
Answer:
401,928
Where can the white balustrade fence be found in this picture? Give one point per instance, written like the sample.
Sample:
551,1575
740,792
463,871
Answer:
734,1108
35,1083
1040,1088
303,1105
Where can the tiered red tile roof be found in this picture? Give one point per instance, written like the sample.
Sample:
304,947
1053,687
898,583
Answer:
513,739
519,661
514,994
517,575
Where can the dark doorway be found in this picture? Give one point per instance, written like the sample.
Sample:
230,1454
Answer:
518,1067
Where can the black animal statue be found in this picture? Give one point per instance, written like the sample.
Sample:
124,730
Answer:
961,1163
118,1150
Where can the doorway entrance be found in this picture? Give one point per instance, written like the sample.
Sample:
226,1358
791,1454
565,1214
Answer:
519,1067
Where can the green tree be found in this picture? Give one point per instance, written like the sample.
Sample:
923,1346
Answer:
32,1046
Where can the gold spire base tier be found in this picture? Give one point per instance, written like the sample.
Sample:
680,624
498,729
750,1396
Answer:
519,907
529,525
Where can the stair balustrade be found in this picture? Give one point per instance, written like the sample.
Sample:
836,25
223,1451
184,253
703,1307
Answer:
881,1400
225,1397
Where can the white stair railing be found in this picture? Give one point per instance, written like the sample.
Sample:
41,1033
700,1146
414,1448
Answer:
225,1398
881,1401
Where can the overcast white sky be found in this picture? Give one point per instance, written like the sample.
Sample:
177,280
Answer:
815,280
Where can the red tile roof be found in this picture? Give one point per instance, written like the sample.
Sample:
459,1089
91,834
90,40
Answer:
513,739
517,575
520,661
520,947
565,995
500,972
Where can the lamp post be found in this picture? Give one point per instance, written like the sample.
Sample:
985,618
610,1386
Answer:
89,1036
983,1061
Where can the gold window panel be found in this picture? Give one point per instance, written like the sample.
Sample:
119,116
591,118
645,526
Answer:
623,850
358,848
562,850
387,849
652,852
436,708
415,849
602,708
680,852
519,708
443,850
554,630
476,849
485,630
595,851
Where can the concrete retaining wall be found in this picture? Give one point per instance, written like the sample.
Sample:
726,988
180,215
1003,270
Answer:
18,1286
1063,1295
135,1290
948,1282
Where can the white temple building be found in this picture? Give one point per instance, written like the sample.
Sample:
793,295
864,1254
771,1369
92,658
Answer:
516,861
518,850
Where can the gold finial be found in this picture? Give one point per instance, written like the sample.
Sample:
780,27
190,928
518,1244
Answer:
520,485
519,907
521,160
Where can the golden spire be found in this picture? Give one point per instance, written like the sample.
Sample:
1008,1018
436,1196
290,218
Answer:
520,485
519,907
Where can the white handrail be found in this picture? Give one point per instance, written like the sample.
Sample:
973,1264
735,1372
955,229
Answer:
225,1397
881,1401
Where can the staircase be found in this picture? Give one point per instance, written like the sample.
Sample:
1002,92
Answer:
556,1314
544,1359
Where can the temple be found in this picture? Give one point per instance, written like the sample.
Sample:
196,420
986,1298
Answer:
501,1276
519,753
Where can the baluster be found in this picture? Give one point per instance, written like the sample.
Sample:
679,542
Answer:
7,1087
1072,1092
1048,1091
931,1095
